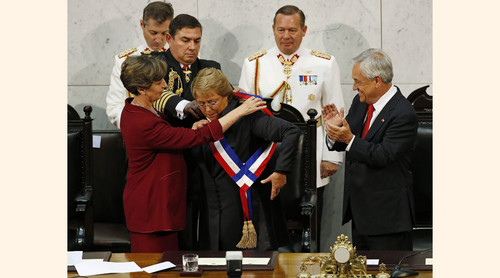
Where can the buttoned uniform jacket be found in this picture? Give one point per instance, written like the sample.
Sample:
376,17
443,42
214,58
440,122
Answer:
173,95
378,179
115,99
154,197
263,74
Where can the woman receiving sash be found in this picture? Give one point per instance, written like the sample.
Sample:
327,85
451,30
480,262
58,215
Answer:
241,209
154,197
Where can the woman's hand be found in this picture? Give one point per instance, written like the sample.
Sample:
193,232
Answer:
250,106
277,180
246,108
200,123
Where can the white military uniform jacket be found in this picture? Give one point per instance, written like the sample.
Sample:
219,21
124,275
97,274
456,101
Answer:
115,100
314,80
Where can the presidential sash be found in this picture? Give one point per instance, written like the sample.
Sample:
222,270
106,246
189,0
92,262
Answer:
244,175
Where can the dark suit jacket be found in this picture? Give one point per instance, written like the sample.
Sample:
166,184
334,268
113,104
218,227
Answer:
221,216
154,198
378,180
167,103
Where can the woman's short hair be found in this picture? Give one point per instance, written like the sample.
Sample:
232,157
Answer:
375,62
141,72
211,79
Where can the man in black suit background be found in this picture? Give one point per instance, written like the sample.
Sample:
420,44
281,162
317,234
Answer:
178,104
378,135
184,40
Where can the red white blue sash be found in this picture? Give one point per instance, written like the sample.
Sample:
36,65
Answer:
243,174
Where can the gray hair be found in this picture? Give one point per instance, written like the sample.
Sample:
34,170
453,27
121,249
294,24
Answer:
375,62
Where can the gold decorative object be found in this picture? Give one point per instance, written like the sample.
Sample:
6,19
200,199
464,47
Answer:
303,271
288,63
187,73
257,55
172,77
321,54
342,262
382,273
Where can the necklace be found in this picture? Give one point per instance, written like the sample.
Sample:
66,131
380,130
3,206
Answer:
152,110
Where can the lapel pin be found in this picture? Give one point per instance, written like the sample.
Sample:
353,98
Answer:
382,120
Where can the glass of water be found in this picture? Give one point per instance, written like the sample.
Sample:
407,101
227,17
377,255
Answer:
190,262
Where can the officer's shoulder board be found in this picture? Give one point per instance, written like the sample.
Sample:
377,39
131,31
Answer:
257,55
321,54
127,52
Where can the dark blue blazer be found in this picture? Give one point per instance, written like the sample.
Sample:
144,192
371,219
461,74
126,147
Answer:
378,181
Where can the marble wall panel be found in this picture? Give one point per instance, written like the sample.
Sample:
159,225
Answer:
349,94
407,38
98,30
233,30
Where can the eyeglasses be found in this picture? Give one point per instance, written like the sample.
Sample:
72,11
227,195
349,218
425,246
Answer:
210,104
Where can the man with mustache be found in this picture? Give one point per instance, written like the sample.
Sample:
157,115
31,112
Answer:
184,40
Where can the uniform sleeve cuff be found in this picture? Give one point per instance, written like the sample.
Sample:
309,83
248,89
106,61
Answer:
215,130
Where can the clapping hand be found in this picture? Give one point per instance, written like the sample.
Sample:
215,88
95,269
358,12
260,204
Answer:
336,126
331,116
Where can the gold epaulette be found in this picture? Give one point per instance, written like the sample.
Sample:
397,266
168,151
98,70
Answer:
257,55
321,54
127,52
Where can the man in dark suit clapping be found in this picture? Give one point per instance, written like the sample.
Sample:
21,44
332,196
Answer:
378,135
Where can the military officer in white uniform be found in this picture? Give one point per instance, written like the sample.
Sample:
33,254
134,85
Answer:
303,78
154,23
293,74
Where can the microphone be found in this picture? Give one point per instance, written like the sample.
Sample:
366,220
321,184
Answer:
397,272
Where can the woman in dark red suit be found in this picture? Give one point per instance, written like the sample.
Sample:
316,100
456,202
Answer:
154,198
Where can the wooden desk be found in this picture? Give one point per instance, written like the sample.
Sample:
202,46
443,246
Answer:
287,266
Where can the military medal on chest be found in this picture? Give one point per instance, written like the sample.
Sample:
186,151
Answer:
288,63
187,73
287,69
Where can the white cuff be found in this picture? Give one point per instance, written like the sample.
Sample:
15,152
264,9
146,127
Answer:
350,143
179,108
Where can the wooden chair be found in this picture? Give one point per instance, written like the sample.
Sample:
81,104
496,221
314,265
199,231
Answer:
80,223
422,170
298,197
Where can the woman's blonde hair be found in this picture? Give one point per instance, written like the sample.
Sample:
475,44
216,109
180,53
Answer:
211,79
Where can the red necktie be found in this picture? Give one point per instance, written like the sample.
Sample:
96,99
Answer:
368,120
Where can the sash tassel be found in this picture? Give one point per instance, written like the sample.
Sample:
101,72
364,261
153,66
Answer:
244,175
